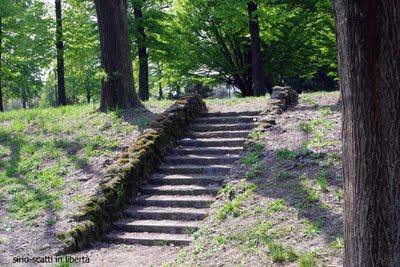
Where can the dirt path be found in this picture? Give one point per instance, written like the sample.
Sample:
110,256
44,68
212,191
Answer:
127,255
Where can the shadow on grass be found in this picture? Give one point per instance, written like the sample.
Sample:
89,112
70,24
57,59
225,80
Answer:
140,117
315,107
283,180
25,200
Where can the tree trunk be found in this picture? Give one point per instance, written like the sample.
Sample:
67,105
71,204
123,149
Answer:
62,100
160,92
259,87
1,73
142,53
24,98
118,89
88,95
369,54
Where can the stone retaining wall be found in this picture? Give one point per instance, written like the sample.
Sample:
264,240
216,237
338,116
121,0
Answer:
281,99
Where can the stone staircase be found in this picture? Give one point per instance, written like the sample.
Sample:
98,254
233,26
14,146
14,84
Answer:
176,199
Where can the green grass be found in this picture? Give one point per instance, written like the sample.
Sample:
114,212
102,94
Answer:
332,159
307,98
312,195
234,101
311,230
279,253
337,244
256,235
277,205
308,259
253,161
285,175
325,111
154,102
38,147
339,194
322,180
255,135
233,208
285,154
307,127
318,129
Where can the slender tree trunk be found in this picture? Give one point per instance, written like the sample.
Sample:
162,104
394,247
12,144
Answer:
256,57
369,58
1,73
88,95
142,53
118,90
23,100
160,92
62,100
159,74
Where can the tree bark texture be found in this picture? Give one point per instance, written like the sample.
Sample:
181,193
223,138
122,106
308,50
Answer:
142,54
118,89
62,100
368,39
1,73
259,87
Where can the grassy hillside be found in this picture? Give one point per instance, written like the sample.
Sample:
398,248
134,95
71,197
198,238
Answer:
51,160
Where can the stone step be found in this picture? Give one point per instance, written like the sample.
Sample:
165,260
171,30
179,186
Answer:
201,159
230,114
148,239
157,226
174,201
208,150
195,169
201,127
160,179
219,134
165,213
232,119
212,142
194,190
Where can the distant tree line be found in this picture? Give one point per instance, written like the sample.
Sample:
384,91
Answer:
52,56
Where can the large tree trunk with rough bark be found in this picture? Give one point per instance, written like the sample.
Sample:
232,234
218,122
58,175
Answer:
142,53
1,73
117,88
369,57
62,100
259,87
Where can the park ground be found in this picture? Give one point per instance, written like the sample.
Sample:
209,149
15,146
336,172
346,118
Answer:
282,205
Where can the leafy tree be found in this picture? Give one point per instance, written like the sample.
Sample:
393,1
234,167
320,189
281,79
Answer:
293,40
6,9
27,50
82,51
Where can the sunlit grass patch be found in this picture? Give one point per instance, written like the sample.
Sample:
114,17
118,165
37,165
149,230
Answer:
236,195
39,147
233,101
308,259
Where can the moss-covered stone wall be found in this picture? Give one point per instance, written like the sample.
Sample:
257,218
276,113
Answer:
135,165
281,99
